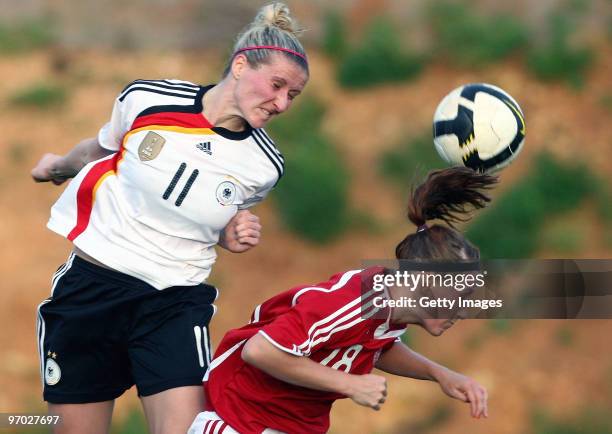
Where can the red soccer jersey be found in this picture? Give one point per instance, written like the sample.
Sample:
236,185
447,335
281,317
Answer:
333,323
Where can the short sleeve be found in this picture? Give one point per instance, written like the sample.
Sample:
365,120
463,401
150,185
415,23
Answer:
128,105
256,198
111,134
318,320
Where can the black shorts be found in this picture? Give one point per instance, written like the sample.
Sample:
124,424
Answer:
102,331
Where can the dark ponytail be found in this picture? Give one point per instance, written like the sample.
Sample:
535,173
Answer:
448,195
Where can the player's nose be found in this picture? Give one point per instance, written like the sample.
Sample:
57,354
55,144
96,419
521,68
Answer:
281,103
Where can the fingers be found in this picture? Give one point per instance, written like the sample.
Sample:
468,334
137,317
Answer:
42,172
377,406
381,394
467,390
477,397
38,176
480,396
473,401
242,232
245,216
250,229
247,227
248,233
248,241
369,390
483,399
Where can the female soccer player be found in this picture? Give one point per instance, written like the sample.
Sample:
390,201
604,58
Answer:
311,345
169,177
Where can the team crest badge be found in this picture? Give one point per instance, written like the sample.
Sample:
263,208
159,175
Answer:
226,193
53,373
151,146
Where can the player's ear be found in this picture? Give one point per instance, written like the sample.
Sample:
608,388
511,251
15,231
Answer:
239,64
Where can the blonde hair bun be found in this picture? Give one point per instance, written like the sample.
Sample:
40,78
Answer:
274,27
278,15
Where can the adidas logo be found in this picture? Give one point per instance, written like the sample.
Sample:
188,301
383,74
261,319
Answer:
205,147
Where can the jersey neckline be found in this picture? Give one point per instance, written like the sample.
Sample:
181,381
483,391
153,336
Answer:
224,132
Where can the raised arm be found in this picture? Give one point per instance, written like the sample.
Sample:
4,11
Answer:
57,168
367,390
401,360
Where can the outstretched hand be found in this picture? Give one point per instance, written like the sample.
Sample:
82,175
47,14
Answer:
43,172
467,390
241,233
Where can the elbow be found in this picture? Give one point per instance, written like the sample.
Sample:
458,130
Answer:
252,351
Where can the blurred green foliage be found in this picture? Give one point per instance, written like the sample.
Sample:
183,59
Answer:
562,237
379,58
590,421
509,228
409,159
334,42
604,209
564,336
17,153
604,202
475,340
304,119
312,197
40,95
557,59
605,101
429,423
500,326
472,40
408,338
365,221
26,35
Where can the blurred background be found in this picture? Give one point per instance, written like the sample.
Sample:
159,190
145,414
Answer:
353,142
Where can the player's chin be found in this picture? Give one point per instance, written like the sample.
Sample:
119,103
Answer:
434,331
437,331
258,121
257,124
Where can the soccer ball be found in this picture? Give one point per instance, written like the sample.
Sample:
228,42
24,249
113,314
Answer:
479,126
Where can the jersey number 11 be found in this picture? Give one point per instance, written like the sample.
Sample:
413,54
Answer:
175,180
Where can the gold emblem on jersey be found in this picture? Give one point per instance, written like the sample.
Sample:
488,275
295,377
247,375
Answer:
151,146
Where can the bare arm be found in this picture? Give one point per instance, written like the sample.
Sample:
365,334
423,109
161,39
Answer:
367,390
401,360
57,168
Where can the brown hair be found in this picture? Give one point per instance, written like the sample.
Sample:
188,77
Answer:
447,195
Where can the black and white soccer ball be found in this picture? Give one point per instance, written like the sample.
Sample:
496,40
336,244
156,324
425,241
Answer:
480,126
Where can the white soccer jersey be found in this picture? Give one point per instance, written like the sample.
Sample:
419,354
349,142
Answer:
154,209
